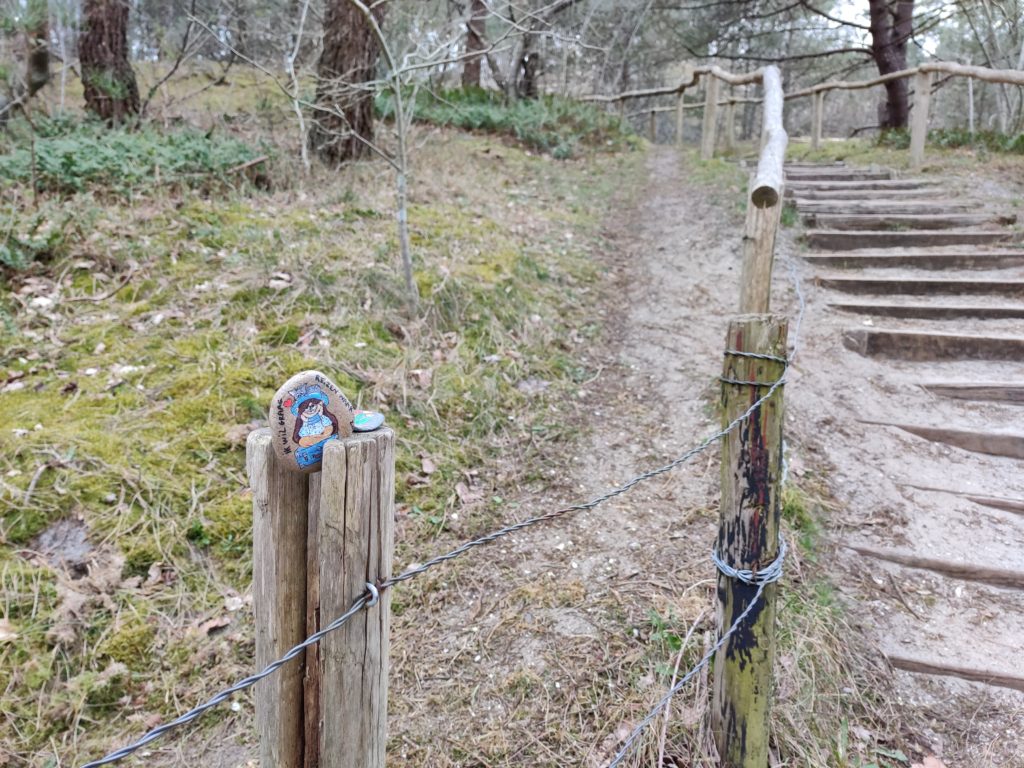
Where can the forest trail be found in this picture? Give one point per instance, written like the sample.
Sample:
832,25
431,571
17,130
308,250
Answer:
909,388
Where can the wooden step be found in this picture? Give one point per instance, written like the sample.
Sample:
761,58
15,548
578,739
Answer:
988,391
931,311
919,347
923,287
904,221
926,666
990,443
1002,503
839,240
984,574
880,184
834,174
919,258
876,195
884,207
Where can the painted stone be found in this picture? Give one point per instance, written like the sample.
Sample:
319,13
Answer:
367,421
305,414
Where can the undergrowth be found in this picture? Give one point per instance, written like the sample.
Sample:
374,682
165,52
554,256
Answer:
137,359
561,127
68,155
956,138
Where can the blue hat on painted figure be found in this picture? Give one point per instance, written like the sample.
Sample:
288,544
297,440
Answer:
304,394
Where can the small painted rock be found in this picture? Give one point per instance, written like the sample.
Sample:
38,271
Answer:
367,421
305,414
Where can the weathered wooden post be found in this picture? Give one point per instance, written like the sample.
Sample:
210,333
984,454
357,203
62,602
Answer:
709,128
817,118
760,230
323,514
919,120
748,538
970,105
279,530
652,128
730,125
680,113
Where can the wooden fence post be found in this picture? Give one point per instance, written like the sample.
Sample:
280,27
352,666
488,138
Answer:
709,128
760,230
317,540
817,119
652,128
730,125
970,105
919,120
680,113
748,538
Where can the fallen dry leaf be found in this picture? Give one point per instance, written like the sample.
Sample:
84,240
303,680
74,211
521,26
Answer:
466,494
7,633
429,467
930,762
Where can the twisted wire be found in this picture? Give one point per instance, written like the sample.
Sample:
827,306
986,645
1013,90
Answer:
373,590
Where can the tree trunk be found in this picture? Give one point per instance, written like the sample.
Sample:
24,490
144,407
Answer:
107,76
347,63
37,60
474,44
892,25
529,70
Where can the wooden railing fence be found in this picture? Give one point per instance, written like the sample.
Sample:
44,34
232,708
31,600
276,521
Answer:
713,76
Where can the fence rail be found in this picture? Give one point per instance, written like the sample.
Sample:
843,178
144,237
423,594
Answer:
712,75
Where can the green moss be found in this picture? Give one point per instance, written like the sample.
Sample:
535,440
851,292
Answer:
138,560
130,644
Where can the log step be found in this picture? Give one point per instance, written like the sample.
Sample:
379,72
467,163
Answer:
840,240
984,574
990,443
930,311
874,195
924,666
919,259
918,347
1015,506
815,174
923,287
796,183
904,221
984,391
883,207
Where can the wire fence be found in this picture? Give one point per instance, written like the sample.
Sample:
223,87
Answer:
370,598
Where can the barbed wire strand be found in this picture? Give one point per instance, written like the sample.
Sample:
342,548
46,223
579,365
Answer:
366,599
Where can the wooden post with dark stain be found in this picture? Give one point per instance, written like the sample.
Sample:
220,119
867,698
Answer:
748,538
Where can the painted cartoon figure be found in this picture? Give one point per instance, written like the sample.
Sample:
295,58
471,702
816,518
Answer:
314,424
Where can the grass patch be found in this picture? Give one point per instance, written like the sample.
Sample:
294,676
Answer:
561,127
133,388
74,155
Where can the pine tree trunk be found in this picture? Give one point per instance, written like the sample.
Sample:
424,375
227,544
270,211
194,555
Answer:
37,69
892,24
107,76
347,63
474,44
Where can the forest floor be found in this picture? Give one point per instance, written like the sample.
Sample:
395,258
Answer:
577,316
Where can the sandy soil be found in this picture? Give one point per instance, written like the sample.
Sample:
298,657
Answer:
897,492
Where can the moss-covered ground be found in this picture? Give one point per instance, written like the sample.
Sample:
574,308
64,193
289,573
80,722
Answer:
139,354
